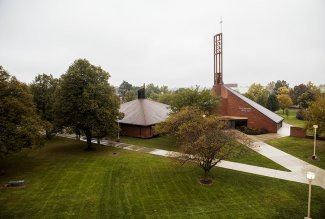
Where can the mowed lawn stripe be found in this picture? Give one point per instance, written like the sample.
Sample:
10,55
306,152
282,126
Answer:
126,181
49,192
88,185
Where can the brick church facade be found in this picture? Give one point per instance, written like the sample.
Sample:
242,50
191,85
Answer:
236,108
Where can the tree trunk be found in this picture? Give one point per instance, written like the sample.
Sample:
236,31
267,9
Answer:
78,134
206,173
88,135
48,135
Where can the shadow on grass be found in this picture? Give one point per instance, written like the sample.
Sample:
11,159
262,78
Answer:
16,166
67,147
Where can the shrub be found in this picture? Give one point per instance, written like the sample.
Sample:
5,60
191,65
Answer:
250,131
300,114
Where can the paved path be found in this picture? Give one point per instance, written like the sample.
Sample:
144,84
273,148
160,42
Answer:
297,167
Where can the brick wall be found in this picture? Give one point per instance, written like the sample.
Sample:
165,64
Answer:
297,132
231,105
136,131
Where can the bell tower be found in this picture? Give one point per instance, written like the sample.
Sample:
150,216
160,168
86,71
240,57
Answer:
218,65
218,59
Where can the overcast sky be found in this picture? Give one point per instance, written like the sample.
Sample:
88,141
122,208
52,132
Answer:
166,42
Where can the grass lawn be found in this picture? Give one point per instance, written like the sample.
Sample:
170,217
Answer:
302,148
164,142
170,144
63,181
291,119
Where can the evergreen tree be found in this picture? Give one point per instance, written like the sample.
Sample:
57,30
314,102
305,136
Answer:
272,103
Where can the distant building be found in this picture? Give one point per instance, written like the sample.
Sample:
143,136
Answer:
141,116
236,108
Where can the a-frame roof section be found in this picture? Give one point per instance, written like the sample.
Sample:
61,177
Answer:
144,112
268,113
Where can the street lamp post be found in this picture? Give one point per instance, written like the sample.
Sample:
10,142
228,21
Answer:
314,157
310,177
118,123
118,129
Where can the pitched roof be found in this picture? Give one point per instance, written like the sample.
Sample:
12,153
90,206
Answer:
144,112
273,116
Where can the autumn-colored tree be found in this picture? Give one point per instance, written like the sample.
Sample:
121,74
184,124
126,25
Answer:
279,84
284,101
315,115
283,90
204,139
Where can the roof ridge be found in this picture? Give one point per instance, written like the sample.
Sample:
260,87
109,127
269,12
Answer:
142,110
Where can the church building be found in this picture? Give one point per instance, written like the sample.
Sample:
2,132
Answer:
236,108
141,116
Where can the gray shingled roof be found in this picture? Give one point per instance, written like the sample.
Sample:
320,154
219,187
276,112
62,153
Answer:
144,112
276,118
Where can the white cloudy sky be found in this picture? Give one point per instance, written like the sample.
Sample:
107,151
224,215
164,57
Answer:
166,42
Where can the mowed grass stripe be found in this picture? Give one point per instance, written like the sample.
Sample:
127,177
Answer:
49,191
88,187
158,194
106,189
126,190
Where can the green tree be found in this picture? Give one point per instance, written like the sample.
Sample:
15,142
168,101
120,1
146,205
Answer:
166,98
204,139
322,90
315,115
309,96
258,93
43,89
123,88
203,100
270,87
152,91
85,101
297,92
20,126
306,99
272,103
130,95
164,90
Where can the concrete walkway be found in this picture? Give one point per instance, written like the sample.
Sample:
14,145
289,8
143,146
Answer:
297,167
